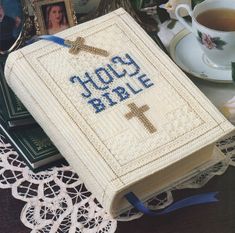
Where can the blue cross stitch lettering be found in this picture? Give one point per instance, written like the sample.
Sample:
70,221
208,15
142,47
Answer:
97,104
146,82
118,75
85,82
129,61
121,92
108,98
134,91
99,86
101,71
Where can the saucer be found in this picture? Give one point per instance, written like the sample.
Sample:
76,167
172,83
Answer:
187,54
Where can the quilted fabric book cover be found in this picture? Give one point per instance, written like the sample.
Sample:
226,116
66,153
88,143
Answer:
127,121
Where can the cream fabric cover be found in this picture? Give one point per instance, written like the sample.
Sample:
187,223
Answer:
109,150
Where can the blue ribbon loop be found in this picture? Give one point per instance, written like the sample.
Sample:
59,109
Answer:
52,38
189,201
55,39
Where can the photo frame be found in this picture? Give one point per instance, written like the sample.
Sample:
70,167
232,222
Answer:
15,25
53,16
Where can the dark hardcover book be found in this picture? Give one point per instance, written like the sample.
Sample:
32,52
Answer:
11,108
32,144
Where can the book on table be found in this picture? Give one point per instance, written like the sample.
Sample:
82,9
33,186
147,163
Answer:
123,114
13,111
32,144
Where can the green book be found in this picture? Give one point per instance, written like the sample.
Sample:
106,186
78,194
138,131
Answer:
11,108
32,144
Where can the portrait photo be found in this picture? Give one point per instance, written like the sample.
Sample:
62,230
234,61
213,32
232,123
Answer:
11,21
53,16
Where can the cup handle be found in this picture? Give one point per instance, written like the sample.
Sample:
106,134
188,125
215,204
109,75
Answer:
181,19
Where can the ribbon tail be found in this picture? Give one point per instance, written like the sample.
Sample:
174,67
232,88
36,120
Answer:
55,39
190,201
204,198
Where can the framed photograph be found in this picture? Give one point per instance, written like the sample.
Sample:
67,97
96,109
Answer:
53,16
15,24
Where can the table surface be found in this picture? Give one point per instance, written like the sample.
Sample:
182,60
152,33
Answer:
211,218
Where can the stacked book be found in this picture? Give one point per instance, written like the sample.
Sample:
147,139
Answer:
17,124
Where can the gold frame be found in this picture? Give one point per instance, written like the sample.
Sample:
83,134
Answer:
39,17
26,29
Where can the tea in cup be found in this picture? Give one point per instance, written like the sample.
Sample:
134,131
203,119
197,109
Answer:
213,24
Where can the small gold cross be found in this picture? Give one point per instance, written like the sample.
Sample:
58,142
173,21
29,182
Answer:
78,45
139,113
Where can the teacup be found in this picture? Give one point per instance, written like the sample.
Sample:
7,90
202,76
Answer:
213,24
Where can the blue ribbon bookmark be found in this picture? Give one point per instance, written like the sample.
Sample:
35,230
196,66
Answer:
75,46
189,201
55,39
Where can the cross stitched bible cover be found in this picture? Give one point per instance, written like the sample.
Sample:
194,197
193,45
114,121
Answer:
128,121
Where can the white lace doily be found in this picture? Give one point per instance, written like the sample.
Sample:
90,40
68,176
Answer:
57,200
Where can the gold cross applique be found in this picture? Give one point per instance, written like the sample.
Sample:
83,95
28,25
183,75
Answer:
79,44
139,113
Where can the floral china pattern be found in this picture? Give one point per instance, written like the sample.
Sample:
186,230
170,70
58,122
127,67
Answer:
210,42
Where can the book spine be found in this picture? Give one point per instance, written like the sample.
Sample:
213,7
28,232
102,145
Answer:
33,100
6,133
11,108
3,109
